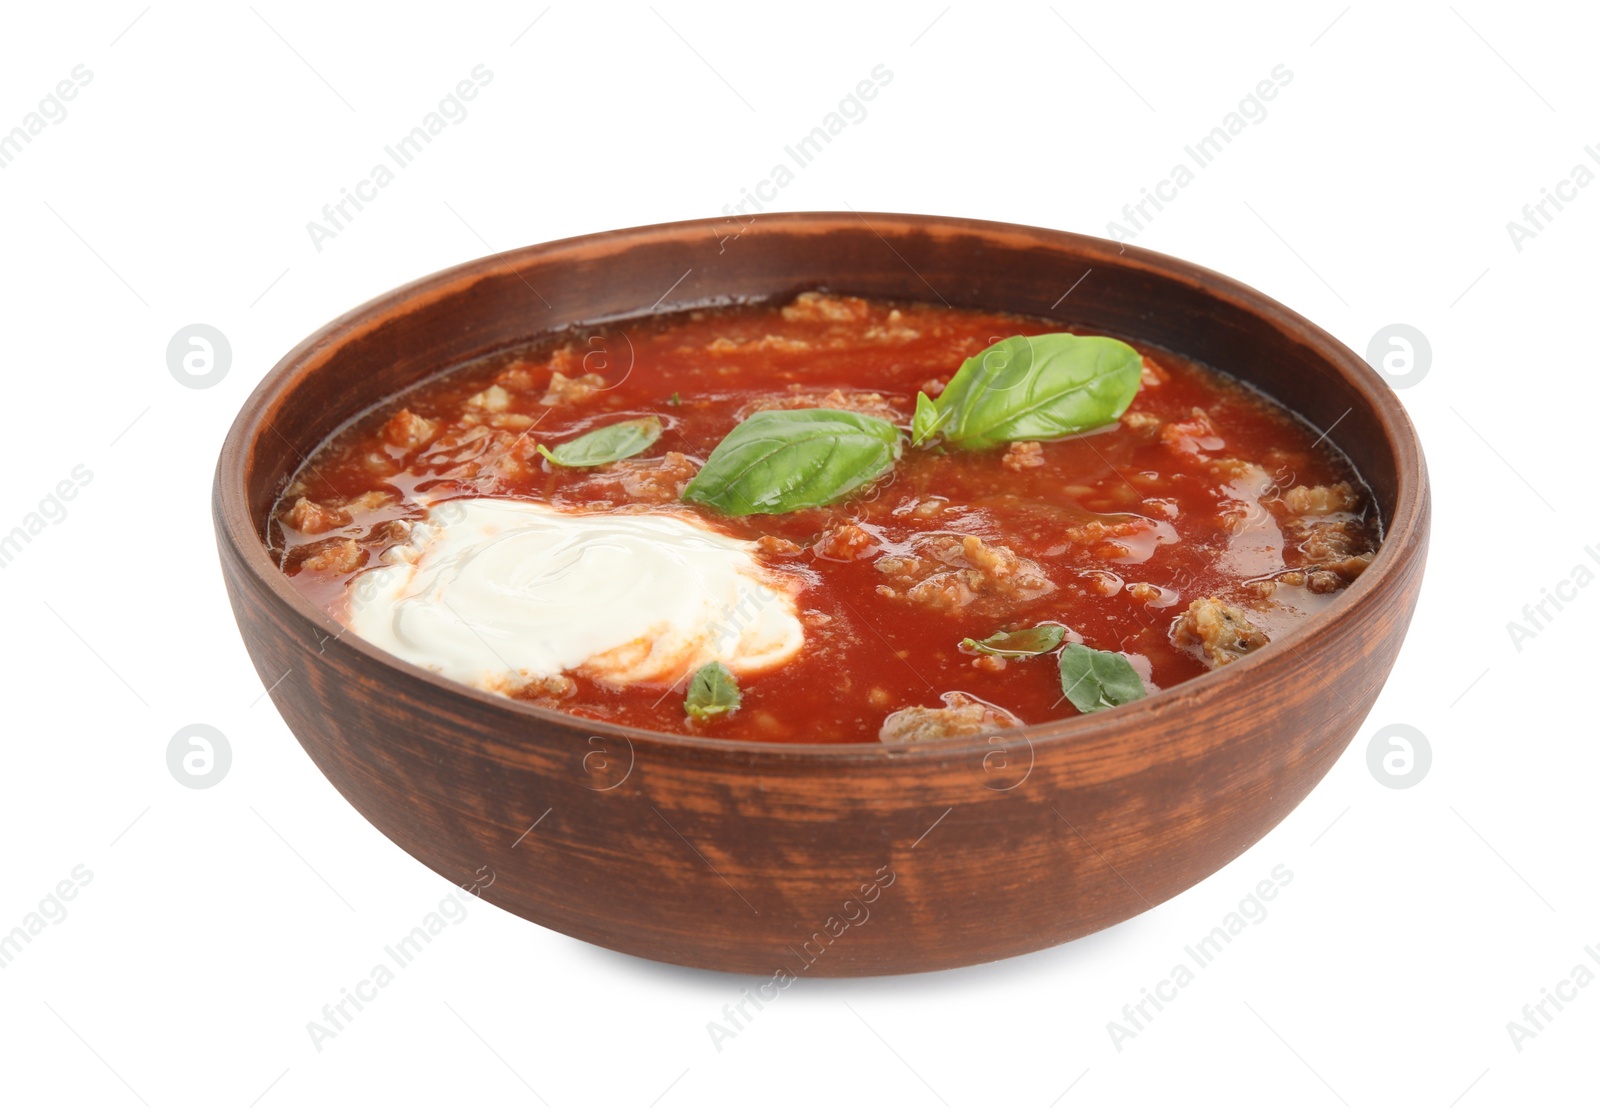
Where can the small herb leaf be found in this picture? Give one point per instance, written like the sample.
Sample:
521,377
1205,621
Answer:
926,421
1031,388
789,460
606,445
712,691
1018,643
1097,679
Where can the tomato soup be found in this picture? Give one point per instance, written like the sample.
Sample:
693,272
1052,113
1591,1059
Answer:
742,522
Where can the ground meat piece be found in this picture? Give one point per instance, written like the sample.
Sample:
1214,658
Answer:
769,343
1151,374
544,691
769,546
517,377
658,479
962,714
552,687
1102,582
1231,470
408,431
491,399
1324,581
813,305
457,447
511,460
1140,422
314,518
1326,540
511,421
894,333
798,398
393,532
563,389
933,388
951,573
462,455
1286,462
1192,437
1023,454
1120,537
1334,499
1218,632
339,556
1338,547
369,501
1094,530
844,540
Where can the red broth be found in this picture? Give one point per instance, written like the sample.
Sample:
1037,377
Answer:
1204,494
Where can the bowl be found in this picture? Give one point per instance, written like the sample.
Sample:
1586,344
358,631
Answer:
789,860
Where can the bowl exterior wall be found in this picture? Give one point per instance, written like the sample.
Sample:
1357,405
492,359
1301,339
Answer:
823,860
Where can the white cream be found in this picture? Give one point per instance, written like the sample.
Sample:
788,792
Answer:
498,592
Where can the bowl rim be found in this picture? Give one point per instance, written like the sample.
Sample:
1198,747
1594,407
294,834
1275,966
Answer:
1404,530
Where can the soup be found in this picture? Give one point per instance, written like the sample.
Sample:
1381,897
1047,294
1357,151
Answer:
828,520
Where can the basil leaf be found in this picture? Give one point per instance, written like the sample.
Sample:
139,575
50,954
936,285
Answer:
713,691
605,445
790,460
1031,389
1096,679
1018,643
926,421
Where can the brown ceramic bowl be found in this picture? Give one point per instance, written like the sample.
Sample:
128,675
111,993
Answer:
760,857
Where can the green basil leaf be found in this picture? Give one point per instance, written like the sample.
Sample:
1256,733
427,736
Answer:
1018,643
712,691
1096,679
790,460
926,421
1031,389
605,445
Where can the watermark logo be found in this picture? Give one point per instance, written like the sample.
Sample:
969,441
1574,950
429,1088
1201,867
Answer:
1540,614
609,763
51,909
1250,910
451,109
451,909
1006,763
1537,216
52,109
853,912
1537,1015
50,511
1401,354
1252,109
852,109
198,756
1399,756
199,356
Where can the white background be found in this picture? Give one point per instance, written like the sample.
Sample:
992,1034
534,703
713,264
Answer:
219,922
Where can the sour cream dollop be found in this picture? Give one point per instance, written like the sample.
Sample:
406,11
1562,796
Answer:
496,593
